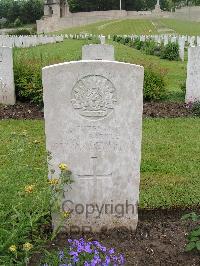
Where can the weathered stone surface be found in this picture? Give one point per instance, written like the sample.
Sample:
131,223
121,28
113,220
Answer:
181,43
7,87
103,39
193,75
98,52
93,123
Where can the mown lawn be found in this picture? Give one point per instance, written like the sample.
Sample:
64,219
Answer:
70,50
120,26
181,26
170,163
139,26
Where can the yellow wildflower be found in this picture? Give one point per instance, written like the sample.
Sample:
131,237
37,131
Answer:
66,214
36,141
29,189
27,246
63,167
13,248
24,133
54,181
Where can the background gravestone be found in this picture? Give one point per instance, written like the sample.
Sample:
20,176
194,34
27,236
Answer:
193,75
93,123
98,52
7,87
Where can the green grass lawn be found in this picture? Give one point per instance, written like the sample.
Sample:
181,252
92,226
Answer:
139,26
182,27
174,71
120,26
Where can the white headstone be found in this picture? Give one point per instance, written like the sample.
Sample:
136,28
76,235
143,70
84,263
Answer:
198,40
193,75
166,40
98,52
181,42
173,39
103,39
7,87
192,41
93,123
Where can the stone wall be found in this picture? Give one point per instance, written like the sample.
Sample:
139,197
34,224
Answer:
187,13
50,24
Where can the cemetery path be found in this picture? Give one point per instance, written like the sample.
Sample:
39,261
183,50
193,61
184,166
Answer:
151,109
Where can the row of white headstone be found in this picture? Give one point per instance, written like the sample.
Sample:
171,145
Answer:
181,40
28,41
7,88
163,38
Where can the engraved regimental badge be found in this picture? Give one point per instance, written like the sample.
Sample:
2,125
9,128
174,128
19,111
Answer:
94,97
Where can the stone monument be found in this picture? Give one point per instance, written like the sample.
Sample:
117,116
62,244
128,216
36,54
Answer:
93,123
193,75
98,52
7,87
56,8
157,7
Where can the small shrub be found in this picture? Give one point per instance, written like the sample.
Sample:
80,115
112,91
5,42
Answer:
21,32
28,82
154,86
127,40
114,38
34,30
170,52
119,38
196,108
194,235
149,47
137,44
18,22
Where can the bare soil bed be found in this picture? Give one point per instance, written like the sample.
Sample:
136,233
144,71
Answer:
151,109
160,239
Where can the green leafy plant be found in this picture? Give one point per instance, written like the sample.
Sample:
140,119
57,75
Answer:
194,235
18,22
21,32
196,108
137,44
149,47
154,85
28,81
170,52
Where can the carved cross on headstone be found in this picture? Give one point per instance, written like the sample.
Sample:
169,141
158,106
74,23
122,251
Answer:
95,175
